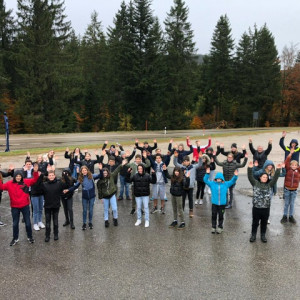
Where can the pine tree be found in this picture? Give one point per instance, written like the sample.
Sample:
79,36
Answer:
180,65
42,34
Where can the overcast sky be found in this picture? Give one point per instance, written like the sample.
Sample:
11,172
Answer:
282,17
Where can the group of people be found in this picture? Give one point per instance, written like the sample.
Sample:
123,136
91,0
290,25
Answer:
37,185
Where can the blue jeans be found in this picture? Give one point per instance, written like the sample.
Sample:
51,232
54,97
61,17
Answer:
37,203
15,212
85,204
289,201
145,201
74,173
113,203
124,184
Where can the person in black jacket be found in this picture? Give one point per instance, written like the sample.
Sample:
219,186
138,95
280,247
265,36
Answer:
90,163
237,156
260,155
200,173
145,146
10,172
179,182
52,190
141,189
212,166
74,157
67,198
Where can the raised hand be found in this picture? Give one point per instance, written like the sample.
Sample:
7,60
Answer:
65,191
217,143
124,162
236,172
283,165
103,152
283,133
250,165
244,147
171,141
279,165
207,170
187,174
35,167
96,152
100,166
136,140
175,153
28,154
144,154
250,140
221,145
164,167
256,163
116,152
246,155
270,141
67,149
106,142
154,141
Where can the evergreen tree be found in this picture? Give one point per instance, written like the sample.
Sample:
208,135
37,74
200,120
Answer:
220,70
181,66
42,34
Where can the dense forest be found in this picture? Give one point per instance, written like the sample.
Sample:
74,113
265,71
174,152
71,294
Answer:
138,72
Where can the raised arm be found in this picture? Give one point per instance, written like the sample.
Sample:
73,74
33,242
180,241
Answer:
267,152
250,173
251,146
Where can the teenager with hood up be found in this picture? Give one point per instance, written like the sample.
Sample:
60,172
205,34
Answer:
293,145
18,190
107,189
219,189
261,201
141,190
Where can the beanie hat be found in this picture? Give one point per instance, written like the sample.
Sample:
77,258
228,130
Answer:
233,145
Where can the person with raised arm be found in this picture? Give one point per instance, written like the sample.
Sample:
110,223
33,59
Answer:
260,154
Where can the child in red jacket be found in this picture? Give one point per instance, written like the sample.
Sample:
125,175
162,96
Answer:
18,190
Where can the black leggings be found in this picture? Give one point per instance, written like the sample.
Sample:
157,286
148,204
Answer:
217,210
188,193
68,209
200,189
262,215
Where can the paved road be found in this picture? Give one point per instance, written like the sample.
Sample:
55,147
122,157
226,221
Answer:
127,262
56,140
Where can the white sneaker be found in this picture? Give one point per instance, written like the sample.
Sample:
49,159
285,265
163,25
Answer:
36,227
146,223
269,221
196,202
138,222
41,225
201,202
2,224
209,191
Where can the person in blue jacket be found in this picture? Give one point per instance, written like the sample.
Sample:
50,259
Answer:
293,144
219,189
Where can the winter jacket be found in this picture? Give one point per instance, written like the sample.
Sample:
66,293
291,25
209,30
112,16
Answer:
291,181
141,183
88,187
260,157
134,166
237,156
219,189
262,192
191,168
200,172
19,193
107,186
177,188
229,167
52,190
125,168
183,153
212,165
258,172
287,149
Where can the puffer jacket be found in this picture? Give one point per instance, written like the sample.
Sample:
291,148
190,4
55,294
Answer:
262,192
219,189
177,188
287,149
107,186
141,183
230,167
52,191
292,177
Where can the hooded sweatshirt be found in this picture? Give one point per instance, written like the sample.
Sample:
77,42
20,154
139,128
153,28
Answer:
19,191
219,189
287,149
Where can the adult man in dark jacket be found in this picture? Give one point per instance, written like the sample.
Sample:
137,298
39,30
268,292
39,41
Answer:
260,154
237,156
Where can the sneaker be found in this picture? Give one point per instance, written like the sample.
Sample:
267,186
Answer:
166,199
36,227
30,240
120,198
132,211
76,191
66,223
41,225
146,224
228,206
252,238
263,238
196,202
269,221
106,223
115,222
173,224
138,223
90,225
154,210
2,224
84,226
209,191
284,219
47,239
55,237
219,230
181,226
162,210
13,242
200,201
72,226
191,213
292,220
213,230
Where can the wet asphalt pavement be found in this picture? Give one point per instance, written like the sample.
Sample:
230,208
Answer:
128,262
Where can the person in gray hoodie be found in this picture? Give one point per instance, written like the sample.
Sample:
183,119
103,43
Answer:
186,166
